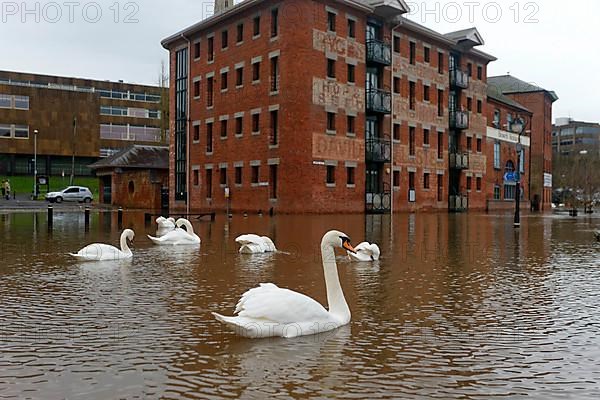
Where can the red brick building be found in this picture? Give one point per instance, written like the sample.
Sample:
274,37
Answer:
502,136
539,101
326,106
135,177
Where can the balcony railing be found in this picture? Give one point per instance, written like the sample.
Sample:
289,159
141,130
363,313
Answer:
379,203
459,160
379,150
379,101
379,52
459,79
458,203
459,120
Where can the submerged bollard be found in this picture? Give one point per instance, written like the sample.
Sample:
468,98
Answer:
50,217
87,219
120,218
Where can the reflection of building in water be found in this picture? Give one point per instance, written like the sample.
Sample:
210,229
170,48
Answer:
361,110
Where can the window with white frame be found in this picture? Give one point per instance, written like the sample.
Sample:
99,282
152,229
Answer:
9,131
497,155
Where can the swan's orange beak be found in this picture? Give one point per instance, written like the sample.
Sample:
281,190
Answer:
348,246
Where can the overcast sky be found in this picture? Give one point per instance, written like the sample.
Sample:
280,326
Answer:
550,43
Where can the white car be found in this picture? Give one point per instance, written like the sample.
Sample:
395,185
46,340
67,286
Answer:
72,193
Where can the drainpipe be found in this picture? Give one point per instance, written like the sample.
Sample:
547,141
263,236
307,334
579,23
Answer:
187,128
392,124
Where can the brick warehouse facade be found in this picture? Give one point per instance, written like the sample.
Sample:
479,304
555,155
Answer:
359,107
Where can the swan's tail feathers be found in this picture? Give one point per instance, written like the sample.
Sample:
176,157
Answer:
75,255
245,327
232,322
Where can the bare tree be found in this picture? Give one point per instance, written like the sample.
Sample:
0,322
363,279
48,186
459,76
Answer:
163,83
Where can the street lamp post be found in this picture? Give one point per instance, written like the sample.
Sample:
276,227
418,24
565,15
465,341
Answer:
35,194
519,125
586,192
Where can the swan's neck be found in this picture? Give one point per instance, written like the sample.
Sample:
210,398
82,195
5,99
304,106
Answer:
189,228
124,247
335,295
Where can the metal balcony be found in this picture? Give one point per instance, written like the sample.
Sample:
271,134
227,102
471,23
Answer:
379,150
459,120
459,160
458,203
379,101
459,79
379,203
379,52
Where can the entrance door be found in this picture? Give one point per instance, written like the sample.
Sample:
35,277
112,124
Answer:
372,78
107,190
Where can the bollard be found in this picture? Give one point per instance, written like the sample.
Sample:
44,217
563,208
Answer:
120,218
50,217
87,219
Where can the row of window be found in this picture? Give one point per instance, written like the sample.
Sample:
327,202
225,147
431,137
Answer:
224,127
255,173
239,79
509,167
510,120
478,183
115,94
510,192
580,130
412,139
140,133
240,34
14,102
412,95
130,112
8,131
412,184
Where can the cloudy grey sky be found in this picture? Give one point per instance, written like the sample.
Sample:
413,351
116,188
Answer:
544,42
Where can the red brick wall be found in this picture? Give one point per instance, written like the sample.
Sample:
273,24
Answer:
508,151
146,187
540,104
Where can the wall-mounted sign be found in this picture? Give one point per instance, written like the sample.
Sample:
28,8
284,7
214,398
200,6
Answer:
547,180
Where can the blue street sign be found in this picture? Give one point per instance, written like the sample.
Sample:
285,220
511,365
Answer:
509,177
517,177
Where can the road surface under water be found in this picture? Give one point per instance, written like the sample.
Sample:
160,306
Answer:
459,306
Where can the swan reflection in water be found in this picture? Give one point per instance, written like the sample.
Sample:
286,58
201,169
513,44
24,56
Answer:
270,363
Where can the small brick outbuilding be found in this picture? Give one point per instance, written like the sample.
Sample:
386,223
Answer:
135,177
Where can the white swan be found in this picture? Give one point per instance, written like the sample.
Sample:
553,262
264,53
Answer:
106,252
165,225
268,311
251,244
178,236
365,251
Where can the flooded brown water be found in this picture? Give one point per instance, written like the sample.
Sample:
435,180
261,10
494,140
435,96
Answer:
459,306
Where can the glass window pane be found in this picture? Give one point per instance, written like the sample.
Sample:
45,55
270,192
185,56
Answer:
22,102
5,131
22,131
5,101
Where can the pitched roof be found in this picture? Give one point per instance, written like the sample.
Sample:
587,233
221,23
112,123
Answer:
509,84
136,156
470,35
494,94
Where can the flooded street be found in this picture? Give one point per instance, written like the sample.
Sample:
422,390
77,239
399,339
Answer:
459,306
